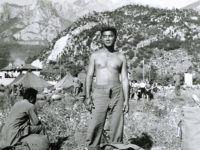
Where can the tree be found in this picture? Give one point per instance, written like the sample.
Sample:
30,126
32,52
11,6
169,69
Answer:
165,79
30,59
153,73
131,54
137,75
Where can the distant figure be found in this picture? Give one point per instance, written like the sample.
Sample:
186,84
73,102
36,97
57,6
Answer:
148,90
82,77
20,90
155,87
22,121
6,75
142,88
177,84
13,88
134,89
77,84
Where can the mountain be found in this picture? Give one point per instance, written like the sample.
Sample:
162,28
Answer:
123,3
194,6
166,39
72,10
143,32
43,20
38,23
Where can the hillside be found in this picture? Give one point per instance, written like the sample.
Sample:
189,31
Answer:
143,32
36,24
33,27
43,20
194,6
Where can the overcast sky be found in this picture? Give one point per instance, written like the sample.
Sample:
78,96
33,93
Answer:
161,3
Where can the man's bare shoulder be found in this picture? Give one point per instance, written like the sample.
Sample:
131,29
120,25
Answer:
97,53
122,56
100,51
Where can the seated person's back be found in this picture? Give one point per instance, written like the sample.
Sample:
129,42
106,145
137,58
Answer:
22,120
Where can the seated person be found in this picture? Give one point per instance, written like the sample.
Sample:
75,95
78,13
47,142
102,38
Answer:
22,121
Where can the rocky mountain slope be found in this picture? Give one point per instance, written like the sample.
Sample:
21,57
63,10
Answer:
33,27
143,32
36,24
194,6
43,20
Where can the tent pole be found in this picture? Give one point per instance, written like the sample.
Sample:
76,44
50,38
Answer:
143,69
59,66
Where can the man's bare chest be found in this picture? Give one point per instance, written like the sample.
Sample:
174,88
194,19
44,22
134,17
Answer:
105,61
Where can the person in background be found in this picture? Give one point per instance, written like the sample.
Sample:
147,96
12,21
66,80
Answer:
19,89
77,84
155,87
177,83
147,90
135,88
22,121
82,77
142,88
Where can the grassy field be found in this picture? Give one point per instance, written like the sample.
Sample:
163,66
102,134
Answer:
66,120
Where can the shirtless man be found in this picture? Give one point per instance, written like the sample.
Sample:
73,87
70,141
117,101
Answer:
111,93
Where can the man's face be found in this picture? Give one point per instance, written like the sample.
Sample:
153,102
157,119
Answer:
108,38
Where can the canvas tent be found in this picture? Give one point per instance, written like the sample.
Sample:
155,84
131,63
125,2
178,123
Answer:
16,79
82,76
66,82
29,67
8,68
31,80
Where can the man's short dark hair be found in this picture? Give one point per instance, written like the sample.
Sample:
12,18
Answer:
109,29
29,92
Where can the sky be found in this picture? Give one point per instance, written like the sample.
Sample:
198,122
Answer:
160,3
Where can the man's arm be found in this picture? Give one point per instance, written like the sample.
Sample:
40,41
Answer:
33,116
89,78
125,84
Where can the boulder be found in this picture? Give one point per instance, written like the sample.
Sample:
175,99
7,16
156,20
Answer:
41,97
56,97
39,104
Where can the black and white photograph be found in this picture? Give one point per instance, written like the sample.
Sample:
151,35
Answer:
99,75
